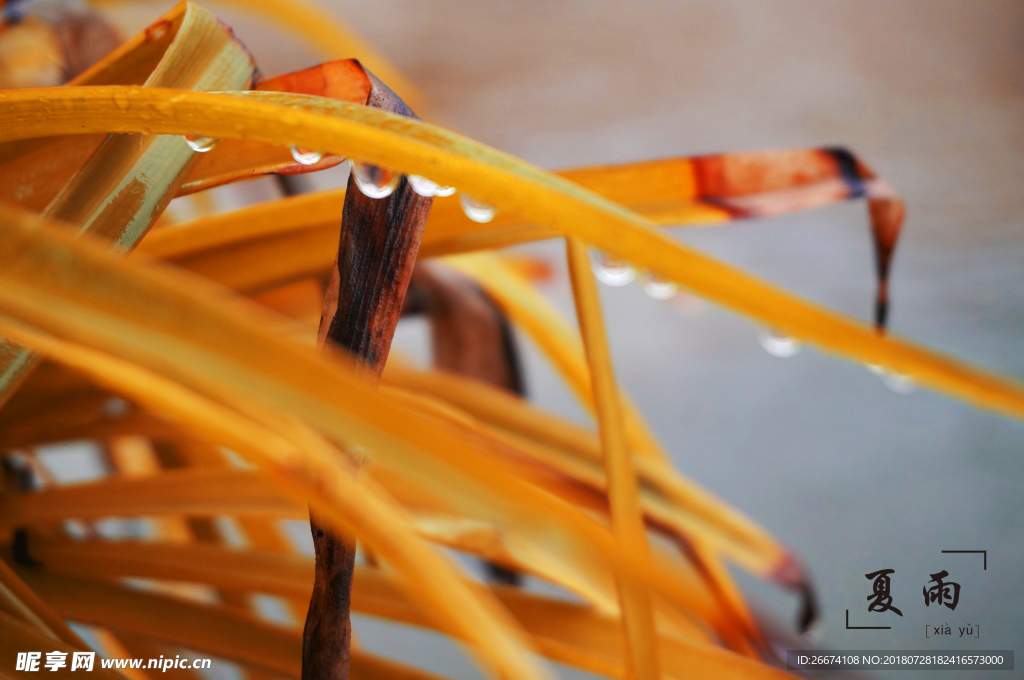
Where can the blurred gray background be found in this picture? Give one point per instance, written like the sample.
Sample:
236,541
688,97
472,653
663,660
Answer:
852,476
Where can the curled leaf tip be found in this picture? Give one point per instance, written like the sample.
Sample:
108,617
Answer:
791,573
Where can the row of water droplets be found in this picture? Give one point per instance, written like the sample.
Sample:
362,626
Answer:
783,346
373,180
377,182
613,272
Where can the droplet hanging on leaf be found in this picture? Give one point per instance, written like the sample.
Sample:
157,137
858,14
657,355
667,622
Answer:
201,144
475,210
657,287
610,271
896,382
428,188
777,344
306,156
373,180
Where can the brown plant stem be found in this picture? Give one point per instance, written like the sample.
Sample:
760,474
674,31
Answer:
376,255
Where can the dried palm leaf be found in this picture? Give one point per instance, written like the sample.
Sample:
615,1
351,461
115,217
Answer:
441,459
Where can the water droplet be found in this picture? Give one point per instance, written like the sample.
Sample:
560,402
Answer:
777,344
373,180
306,156
657,287
427,188
422,186
201,144
900,384
610,271
475,210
